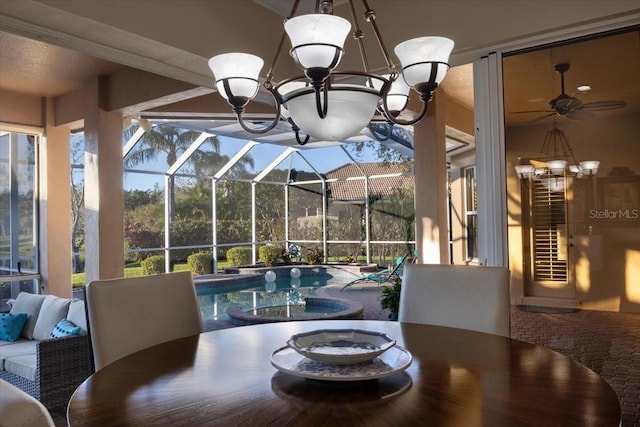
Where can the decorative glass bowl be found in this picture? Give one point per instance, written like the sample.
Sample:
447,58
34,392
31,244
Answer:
341,346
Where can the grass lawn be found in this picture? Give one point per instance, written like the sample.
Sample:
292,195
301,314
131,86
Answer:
134,270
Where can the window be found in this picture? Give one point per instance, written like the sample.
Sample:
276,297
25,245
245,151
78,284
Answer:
471,213
18,214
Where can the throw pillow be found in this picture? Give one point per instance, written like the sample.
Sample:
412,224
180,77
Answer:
77,314
11,325
30,304
65,328
53,310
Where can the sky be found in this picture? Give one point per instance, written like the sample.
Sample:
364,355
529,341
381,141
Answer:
323,159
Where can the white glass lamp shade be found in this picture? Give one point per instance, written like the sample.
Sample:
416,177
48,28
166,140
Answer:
240,70
317,39
350,109
557,166
590,167
419,55
524,171
555,184
398,94
286,88
538,173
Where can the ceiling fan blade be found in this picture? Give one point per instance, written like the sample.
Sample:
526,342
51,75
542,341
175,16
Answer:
580,115
537,119
603,105
532,111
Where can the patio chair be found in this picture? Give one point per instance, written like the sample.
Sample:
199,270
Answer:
467,297
19,409
382,276
129,314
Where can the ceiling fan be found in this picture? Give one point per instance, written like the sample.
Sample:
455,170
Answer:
571,107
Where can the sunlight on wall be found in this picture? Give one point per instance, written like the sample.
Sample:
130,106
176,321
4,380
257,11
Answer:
583,278
583,265
632,275
430,245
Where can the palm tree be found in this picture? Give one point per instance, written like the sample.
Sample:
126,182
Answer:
162,140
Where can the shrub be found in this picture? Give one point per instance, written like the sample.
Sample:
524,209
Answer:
390,298
270,254
314,256
200,263
152,265
239,255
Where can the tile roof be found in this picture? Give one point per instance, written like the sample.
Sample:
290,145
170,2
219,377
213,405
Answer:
353,190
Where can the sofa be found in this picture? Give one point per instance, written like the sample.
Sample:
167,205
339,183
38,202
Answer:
44,347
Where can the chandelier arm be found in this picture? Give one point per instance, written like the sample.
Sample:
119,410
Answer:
379,137
370,16
358,35
412,121
239,110
322,101
296,130
301,141
282,39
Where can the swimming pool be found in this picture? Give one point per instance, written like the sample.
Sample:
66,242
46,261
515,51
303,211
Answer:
256,293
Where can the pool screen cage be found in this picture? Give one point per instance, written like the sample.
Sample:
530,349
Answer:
339,201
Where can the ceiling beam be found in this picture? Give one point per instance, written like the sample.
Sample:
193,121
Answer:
127,95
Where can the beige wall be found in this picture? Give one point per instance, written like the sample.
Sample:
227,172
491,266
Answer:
606,254
20,109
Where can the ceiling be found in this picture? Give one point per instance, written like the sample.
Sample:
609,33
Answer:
609,65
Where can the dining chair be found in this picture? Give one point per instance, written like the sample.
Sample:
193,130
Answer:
129,314
19,409
467,297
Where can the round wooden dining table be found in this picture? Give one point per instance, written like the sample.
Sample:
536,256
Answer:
456,378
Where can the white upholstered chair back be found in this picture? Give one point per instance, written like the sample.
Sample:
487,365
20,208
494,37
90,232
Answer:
19,409
467,297
130,314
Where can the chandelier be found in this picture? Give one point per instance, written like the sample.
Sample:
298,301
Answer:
324,103
555,161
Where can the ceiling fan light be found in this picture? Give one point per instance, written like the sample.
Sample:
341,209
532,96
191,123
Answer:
240,71
317,39
350,109
418,56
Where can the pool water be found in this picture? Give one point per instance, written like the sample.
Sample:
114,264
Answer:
257,294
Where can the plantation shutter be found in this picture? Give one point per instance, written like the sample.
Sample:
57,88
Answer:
549,223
